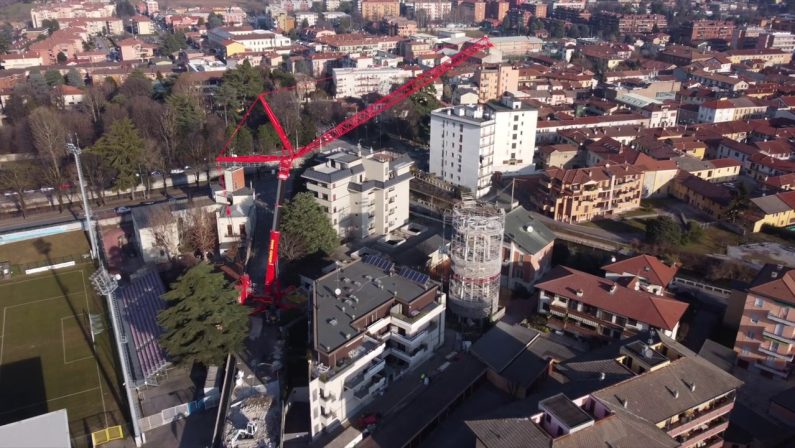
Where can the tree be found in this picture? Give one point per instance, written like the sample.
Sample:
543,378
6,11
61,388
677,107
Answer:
18,178
201,232
163,229
121,148
173,43
53,78
245,80
137,84
226,98
125,9
267,140
203,321
51,25
214,20
304,220
61,57
663,231
244,142
6,37
74,79
49,140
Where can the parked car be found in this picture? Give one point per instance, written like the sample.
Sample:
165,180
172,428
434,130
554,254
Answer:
122,210
47,189
10,193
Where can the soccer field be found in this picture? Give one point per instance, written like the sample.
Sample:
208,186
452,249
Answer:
47,358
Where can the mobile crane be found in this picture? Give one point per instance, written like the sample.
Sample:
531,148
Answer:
272,293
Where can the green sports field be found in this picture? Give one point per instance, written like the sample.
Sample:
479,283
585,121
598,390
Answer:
47,358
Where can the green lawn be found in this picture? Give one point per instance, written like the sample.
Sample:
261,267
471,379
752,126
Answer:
47,359
624,226
57,247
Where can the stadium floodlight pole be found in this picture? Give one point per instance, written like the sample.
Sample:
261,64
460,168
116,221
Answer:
106,285
92,237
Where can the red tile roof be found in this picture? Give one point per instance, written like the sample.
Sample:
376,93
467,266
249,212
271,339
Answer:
654,310
781,287
645,266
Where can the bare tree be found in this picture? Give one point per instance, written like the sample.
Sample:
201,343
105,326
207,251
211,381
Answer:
291,247
19,178
49,139
94,101
288,109
164,230
201,231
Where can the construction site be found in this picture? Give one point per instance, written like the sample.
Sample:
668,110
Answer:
475,252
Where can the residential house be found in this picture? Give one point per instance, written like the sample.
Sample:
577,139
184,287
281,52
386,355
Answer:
526,250
236,218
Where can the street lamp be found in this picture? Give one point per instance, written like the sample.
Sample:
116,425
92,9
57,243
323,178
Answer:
75,151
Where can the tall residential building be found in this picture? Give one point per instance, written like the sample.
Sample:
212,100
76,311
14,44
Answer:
357,82
434,9
371,323
494,80
363,195
778,40
375,10
472,11
766,333
470,143
582,194
701,30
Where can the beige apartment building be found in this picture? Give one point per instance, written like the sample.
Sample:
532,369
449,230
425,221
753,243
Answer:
578,195
363,195
494,80
376,10
766,332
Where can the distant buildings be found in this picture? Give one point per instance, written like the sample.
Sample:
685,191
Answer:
375,10
371,322
233,40
358,82
56,11
135,50
766,321
362,195
582,194
470,143
697,31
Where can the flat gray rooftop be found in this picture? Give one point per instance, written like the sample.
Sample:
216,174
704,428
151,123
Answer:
363,286
565,411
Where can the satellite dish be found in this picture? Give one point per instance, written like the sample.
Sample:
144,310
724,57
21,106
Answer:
337,292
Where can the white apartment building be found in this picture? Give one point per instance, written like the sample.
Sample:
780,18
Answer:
777,40
55,11
469,143
236,218
251,39
357,82
363,195
434,9
742,108
371,322
309,16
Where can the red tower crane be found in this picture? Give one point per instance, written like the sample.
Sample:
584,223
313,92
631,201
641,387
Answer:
272,293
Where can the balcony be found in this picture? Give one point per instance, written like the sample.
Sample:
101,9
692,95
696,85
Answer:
775,354
777,337
713,428
779,319
369,345
687,423
376,366
376,383
409,341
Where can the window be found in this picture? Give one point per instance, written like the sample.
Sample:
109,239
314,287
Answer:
515,118
515,127
758,302
754,320
229,230
750,334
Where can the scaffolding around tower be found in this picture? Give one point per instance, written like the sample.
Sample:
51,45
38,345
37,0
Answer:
476,255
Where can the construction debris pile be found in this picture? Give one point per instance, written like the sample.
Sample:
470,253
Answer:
253,417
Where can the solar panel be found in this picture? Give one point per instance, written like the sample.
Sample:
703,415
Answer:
378,262
414,276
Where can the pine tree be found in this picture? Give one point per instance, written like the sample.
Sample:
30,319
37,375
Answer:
304,221
203,321
121,149
74,79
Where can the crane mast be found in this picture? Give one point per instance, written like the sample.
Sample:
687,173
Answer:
272,293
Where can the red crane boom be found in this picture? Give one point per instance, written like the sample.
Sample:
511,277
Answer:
272,292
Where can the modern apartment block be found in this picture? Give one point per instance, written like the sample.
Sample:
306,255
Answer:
631,23
357,82
701,30
494,80
766,333
648,391
470,143
594,307
371,322
582,194
363,195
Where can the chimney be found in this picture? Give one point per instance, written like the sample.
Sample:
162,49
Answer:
580,292
613,288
